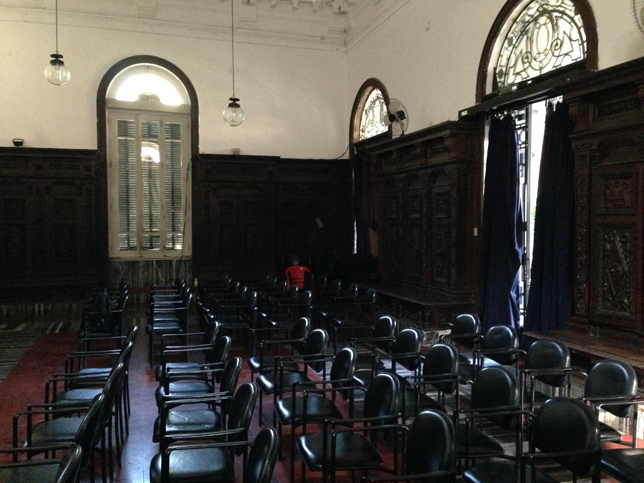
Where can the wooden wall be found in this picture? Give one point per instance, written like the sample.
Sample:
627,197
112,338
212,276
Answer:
427,189
608,141
52,223
250,211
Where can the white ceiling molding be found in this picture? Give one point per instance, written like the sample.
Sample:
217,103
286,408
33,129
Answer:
309,24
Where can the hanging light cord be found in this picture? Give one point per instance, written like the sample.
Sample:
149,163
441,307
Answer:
232,30
57,27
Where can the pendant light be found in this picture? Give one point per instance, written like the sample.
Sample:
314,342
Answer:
233,114
57,72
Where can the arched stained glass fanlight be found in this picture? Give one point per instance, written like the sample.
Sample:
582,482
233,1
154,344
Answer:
544,35
371,122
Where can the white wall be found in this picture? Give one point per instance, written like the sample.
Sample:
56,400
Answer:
428,53
294,99
297,100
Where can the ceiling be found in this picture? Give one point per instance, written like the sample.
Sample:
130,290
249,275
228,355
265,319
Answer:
316,24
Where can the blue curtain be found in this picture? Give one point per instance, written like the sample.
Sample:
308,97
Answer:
501,240
550,299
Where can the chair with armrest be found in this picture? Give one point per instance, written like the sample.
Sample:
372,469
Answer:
348,444
213,462
494,398
465,334
439,373
610,382
204,347
269,348
168,320
81,425
546,364
190,383
284,373
564,431
353,315
198,414
315,401
499,345
429,451
235,434
63,470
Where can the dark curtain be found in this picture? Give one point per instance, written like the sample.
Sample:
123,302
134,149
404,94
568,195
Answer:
550,298
501,240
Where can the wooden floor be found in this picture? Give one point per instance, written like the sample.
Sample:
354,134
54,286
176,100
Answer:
25,384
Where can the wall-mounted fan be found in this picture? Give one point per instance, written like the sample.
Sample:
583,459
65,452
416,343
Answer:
638,14
397,116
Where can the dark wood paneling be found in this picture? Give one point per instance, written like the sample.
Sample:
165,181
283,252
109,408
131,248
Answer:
609,215
250,211
427,255
53,219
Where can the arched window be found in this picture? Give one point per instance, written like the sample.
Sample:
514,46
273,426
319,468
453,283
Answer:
529,41
530,38
368,110
148,112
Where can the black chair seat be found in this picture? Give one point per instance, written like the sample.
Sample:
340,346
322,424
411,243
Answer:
265,364
40,473
188,420
166,326
184,389
177,367
504,471
625,465
480,443
317,409
269,382
55,431
195,466
352,450
77,395
609,434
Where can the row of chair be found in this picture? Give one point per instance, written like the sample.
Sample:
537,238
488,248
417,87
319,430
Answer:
204,418
85,411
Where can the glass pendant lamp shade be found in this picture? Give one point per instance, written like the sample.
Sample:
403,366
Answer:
233,114
57,72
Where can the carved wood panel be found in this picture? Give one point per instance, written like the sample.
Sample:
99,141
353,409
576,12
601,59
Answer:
53,220
617,247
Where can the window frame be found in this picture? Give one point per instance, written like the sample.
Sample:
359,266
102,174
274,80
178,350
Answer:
117,111
359,104
191,146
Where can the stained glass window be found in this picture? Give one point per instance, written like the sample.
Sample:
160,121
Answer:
544,35
371,122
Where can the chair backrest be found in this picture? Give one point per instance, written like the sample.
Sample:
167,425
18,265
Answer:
430,444
380,398
315,347
565,424
465,330
242,407
212,331
408,341
352,290
229,380
495,387
220,350
343,367
89,429
300,330
385,327
501,337
549,354
612,378
441,359
69,465
262,457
